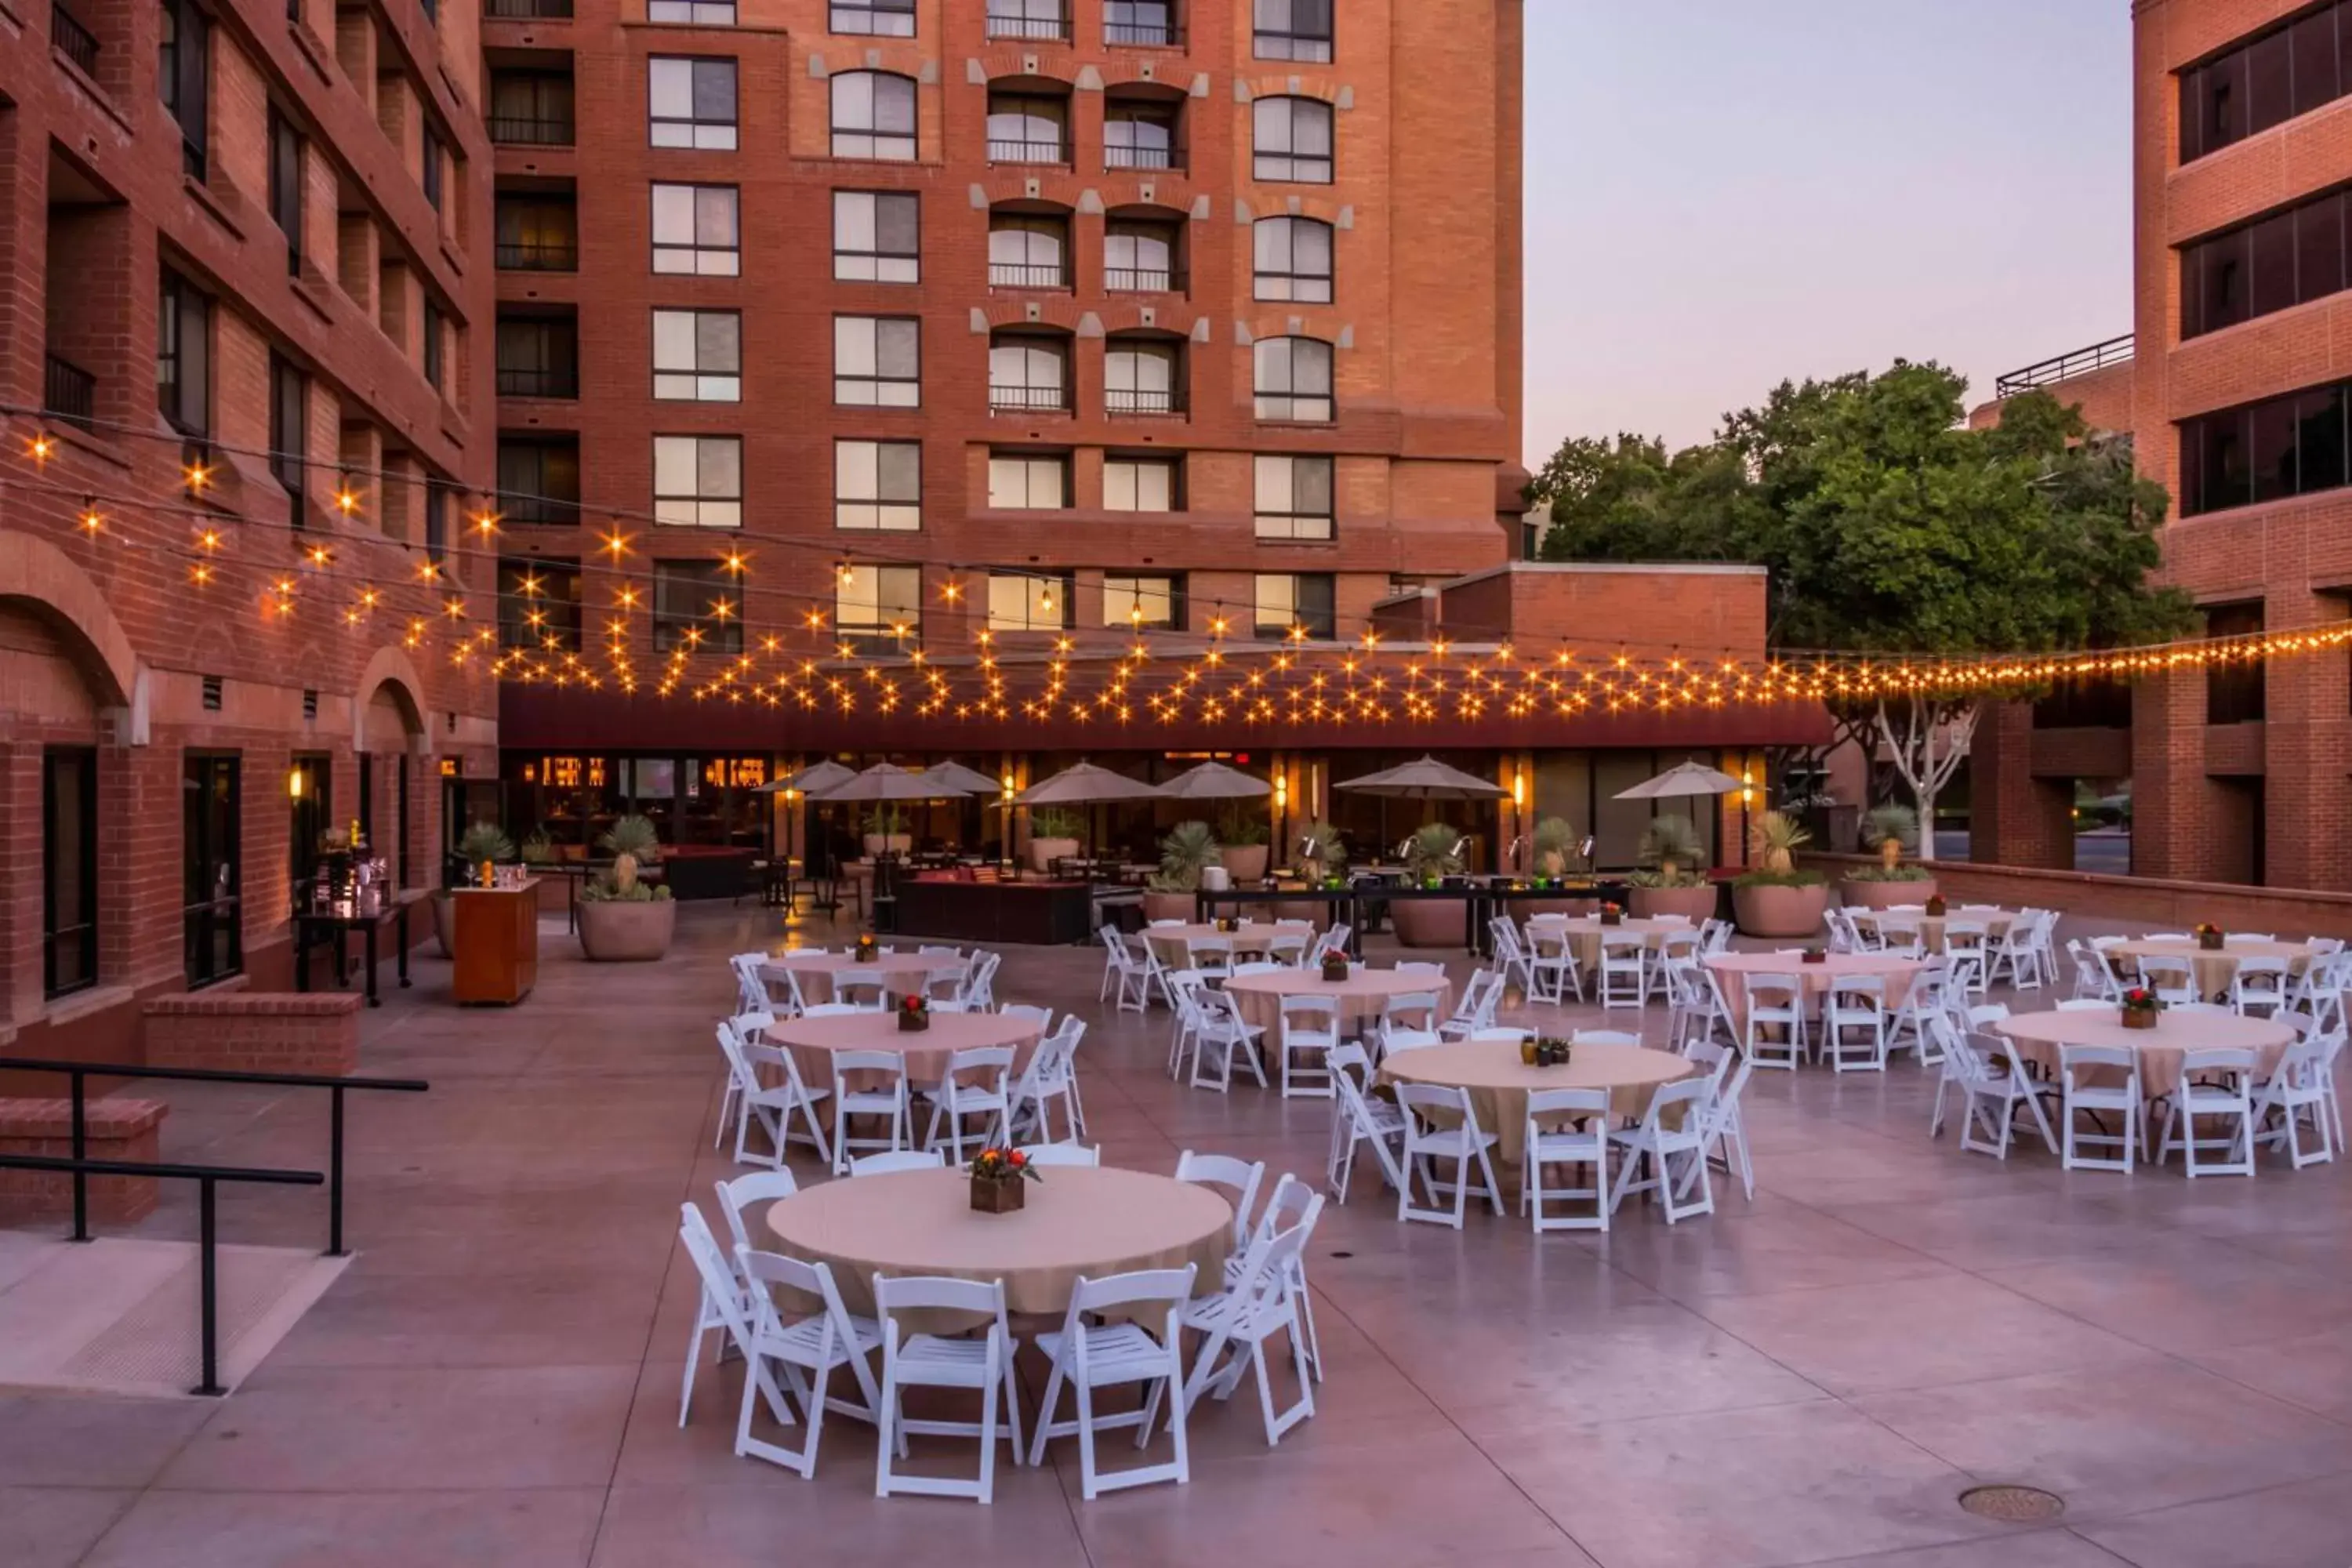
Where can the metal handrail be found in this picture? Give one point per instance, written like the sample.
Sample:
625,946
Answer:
2066,366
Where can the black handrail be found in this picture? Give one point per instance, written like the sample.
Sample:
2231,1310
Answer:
206,1178
79,1072
2065,367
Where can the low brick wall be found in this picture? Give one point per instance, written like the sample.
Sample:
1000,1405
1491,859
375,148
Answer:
118,1128
2135,900
256,1031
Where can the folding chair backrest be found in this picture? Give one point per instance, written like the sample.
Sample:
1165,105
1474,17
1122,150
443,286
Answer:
893,1160
1311,1015
1041,1017
720,1286
737,1197
764,1271
988,1061
1062,1154
1602,1037
1427,1101
891,1065
2123,1058
1172,1287
1691,1093
1568,1101
1499,1035
1242,1176
1401,1006
2234,1061
917,1294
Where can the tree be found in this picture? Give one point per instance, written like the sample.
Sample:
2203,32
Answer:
1888,526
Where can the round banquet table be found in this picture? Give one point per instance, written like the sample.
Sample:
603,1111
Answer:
1076,1220
1169,943
900,973
1583,933
1931,927
1499,1080
1738,966
2039,1035
1360,997
813,1041
2214,972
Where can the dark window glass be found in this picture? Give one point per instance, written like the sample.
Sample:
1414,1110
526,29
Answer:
286,185
211,927
435,327
2274,448
2291,446
697,606
539,481
184,79
2314,43
530,107
432,167
313,807
2270,82
289,428
539,605
436,519
2265,79
538,233
2319,247
69,869
2288,259
2223,476
539,356
2319,440
2273,242
2233,689
183,339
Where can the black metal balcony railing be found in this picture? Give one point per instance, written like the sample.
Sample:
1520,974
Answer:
1030,24
540,255
78,43
1142,400
538,382
1003,150
1024,275
68,392
2065,367
531,10
1142,281
1032,399
530,131
1116,157
1144,35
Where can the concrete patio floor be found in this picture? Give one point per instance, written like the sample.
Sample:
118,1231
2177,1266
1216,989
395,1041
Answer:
1811,1378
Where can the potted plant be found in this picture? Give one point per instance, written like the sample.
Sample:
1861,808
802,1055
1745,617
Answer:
997,1176
2139,1009
1189,848
1889,830
539,854
1053,834
914,1013
883,834
1776,899
1322,853
481,841
1432,855
1559,862
624,920
1244,848
2209,938
1669,882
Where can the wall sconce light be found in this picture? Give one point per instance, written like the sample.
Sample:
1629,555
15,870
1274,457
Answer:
294,784
1519,790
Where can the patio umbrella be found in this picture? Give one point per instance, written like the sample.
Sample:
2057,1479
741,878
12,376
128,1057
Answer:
1086,784
1214,781
955,776
813,780
884,782
1682,779
1427,779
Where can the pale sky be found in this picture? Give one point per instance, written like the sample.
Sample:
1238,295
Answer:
1721,194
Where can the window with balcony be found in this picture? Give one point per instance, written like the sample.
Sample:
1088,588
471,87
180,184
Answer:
1292,140
1142,133
697,230
1140,255
539,480
873,116
1294,260
539,605
69,869
1028,250
1302,600
697,606
1294,497
1028,481
872,18
1027,127
1144,604
1293,379
692,101
2265,79
530,108
1043,19
698,355
285,148
698,481
289,429
877,485
1142,483
1028,372
878,362
1143,376
1144,23
537,232
184,356
183,75
1292,30
437,333
2288,259
539,356
1019,601
878,236
2234,689
874,602
692,13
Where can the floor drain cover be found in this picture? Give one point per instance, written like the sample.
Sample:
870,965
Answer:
1343,1255
2013,1505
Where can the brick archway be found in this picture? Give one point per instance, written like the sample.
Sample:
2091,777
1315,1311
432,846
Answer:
392,668
38,575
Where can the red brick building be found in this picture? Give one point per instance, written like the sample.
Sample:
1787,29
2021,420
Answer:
245,381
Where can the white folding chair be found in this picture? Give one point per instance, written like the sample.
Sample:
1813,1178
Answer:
1408,1021
1291,1203
1083,1155
1052,1074
2297,1091
974,1084
2173,979
1775,1001
983,1365
2118,1097
1853,1024
1550,965
1623,975
1441,1125
1509,954
751,988
1995,1080
1210,955
1288,947
1971,940
1723,1134
723,1306
2093,977
1306,1031
805,1351
1359,1119
884,1095
2012,953
1222,1034
2217,1085
1240,1177
1123,969
1088,1353
1554,1138
1673,1126
978,994
1475,1008
864,993
1237,1322
2260,986
772,1105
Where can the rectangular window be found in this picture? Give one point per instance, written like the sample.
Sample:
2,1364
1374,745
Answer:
1143,484
211,927
539,481
873,116
1292,140
1028,481
1028,18
2233,688
874,18
183,59
183,342
695,231
530,108
539,356
286,185
1139,257
436,329
698,481
692,13
1027,128
697,606
1141,23
691,99
877,485
878,236
2288,259
1295,599
2290,446
312,813
698,355
436,519
879,601
1143,376
878,362
1294,260
539,605
435,154
1019,602
1293,498
289,429
1144,604
538,233
69,869
2264,79
1294,379
1292,30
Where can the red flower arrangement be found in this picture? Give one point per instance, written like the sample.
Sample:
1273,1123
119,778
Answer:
1002,1166
2140,1007
914,1013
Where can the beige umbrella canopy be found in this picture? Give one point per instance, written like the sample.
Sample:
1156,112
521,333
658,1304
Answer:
1084,785
956,776
883,781
1683,779
813,780
1427,779
1214,781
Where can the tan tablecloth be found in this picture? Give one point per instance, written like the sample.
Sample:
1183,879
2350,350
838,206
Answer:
1361,995
2214,972
2038,1036
1499,1081
1095,1222
900,973
1732,969
1583,933
813,1041
1996,922
1167,943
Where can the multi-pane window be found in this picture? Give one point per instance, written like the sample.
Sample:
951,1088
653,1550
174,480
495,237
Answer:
873,116
1294,497
2284,260
1028,481
1142,484
1140,135
289,428
539,605
1293,139
69,869
1141,22
877,485
1293,379
1292,30
1143,375
2235,690
1140,256
874,18
537,232
2281,447
286,184
1028,18
2266,80
692,101
698,355
1293,599
692,13
698,605
183,60
878,236
695,231
1294,260
209,819
1144,604
878,362
1018,602
184,344
538,356
879,600
530,108
1028,250
1028,128
429,164
698,481
1028,370
539,480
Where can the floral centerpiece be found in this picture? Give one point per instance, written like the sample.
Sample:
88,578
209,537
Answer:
997,1179
1613,914
914,1013
1544,1052
2139,1007
1815,955
2208,937
1935,905
865,951
1334,966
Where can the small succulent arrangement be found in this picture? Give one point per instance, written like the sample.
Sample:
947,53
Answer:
1558,854
999,1178
1888,830
1815,954
538,848
1777,836
621,885
635,836
1544,1051
2139,1006
1433,854
1189,848
2208,937
484,841
914,1013
1669,853
1322,853
865,951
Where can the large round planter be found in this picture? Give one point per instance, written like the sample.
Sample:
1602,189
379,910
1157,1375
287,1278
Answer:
1691,904
1884,895
1044,852
615,932
1168,905
880,844
445,921
1429,922
1244,862
1781,911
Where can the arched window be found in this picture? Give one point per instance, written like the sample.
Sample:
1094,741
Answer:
1294,260
873,116
1294,379
1293,139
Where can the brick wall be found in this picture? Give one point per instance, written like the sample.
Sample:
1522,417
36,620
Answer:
256,1031
114,1127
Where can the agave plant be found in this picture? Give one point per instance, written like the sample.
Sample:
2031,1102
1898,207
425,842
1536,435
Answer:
633,835
484,841
1189,848
1670,847
1434,850
1778,837
1330,852
1556,848
1890,829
